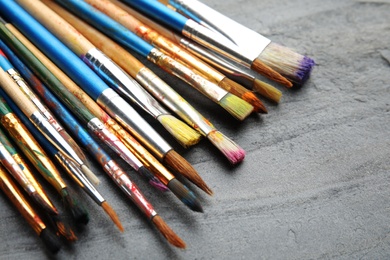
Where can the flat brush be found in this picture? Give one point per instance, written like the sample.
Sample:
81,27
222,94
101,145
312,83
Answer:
294,66
151,82
95,87
206,37
10,189
237,107
134,67
93,123
176,52
110,72
32,150
70,166
222,64
14,74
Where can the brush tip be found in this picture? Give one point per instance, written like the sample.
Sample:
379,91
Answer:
50,240
156,183
230,149
183,133
185,195
79,213
236,106
255,102
112,214
167,232
267,90
303,73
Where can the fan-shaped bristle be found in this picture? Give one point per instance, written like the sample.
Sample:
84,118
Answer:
167,232
230,149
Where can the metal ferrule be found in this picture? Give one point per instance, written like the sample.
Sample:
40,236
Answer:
173,100
100,130
216,42
13,167
122,82
119,109
53,136
31,95
227,66
131,190
78,176
207,88
252,42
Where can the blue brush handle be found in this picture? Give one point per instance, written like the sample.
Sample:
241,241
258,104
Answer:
49,148
55,105
63,57
108,26
4,62
159,12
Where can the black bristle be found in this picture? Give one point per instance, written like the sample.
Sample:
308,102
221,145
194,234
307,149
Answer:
79,213
50,240
185,195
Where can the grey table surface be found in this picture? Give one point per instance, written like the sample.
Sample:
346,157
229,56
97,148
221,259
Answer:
315,180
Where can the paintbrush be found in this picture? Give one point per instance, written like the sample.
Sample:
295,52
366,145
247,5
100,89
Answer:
176,52
294,66
51,212
237,107
30,147
71,168
93,123
10,189
7,66
132,66
95,87
205,37
153,84
234,71
114,76
169,156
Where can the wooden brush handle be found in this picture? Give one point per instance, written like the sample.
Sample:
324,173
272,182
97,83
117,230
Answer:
102,42
16,94
58,26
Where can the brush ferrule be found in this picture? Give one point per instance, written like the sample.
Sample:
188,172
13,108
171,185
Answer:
78,176
31,95
206,87
119,109
173,100
53,136
250,41
100,130
122,82
127,186
216,42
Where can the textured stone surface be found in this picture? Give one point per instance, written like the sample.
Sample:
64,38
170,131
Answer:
315,182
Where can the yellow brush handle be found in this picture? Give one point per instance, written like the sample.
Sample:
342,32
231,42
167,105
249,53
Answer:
58,26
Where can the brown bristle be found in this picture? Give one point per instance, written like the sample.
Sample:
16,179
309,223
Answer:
114,217
266,71
182,166
267,90
62,229
167,232
240,91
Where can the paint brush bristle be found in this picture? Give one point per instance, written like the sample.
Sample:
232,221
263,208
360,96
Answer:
78,211
258,65
90,175
114,217
50,240
236,106
41,202
182,166
231,150
294,66
267,90
152,179
62,229
185,195
80,153
183,133
167,232
238,90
